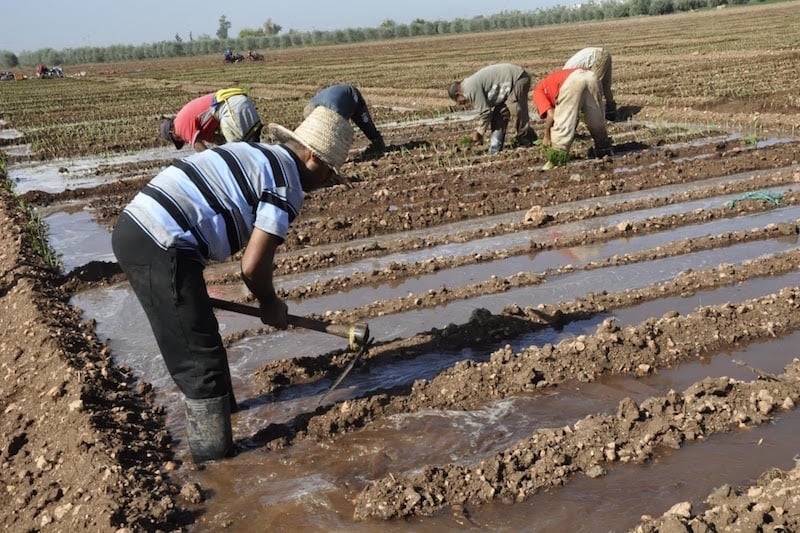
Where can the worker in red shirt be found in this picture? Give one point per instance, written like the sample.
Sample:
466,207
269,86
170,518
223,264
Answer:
560,98
227,115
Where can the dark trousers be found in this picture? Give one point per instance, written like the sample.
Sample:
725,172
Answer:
170,286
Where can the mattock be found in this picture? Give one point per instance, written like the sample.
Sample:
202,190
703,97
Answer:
357,334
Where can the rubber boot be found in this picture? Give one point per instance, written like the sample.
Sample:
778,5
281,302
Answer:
208,426
496,141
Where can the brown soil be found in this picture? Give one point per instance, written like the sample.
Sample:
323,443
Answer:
771,504
88,276
648,346
113,189
430,198
92,274
85,446
551,456
466,385
494,285
293,263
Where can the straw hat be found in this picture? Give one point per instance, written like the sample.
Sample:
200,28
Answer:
326,133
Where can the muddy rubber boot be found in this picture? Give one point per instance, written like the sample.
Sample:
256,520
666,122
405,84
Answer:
208,427
496,141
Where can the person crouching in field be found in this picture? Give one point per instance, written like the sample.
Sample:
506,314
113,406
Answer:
207,207
487,91
560,98
227,115
598,60
347,100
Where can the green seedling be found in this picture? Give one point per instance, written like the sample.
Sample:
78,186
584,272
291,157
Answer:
465,141
556,157
751,140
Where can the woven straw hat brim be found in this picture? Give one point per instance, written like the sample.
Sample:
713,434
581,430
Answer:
326,133
283,134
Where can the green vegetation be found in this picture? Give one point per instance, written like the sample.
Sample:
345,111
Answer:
35,227
465,141
751,140
556,157
269,35
8,59
224,26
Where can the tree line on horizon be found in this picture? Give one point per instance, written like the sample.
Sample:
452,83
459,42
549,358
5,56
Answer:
269,35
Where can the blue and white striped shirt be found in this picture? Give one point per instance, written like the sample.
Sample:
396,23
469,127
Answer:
209,202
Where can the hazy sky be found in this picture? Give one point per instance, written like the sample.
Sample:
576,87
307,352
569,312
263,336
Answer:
32,24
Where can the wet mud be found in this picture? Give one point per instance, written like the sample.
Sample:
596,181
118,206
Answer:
551,456
770,503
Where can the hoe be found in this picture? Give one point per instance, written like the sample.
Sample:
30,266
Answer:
357,334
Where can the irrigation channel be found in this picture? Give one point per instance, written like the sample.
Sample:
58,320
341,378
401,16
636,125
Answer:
665,250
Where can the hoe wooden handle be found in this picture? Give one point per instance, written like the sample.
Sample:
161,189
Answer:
353,333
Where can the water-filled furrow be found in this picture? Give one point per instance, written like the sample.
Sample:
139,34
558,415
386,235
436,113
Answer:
577,256
405,442
555,289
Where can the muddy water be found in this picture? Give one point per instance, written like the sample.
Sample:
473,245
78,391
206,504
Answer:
78,239
120,318
576,256
450,118
80,172
78,245
480,245
309,486
555,289
615,502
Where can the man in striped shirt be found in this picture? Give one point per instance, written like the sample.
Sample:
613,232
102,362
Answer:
206,208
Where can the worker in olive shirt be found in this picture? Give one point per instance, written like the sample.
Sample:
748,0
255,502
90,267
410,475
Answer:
227,115
347,100
487,91
204,208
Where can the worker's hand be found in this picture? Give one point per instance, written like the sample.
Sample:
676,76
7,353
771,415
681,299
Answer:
477,137
546,139
275,313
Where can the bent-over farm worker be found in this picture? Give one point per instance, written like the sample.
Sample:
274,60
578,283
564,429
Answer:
206,208
348,101
227,115
598,60
560,98
487,91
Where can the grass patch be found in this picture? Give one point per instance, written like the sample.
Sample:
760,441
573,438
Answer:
556,157
465,141
751,140
35,227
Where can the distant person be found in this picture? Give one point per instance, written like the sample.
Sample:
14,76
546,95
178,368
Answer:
208,207
487,92
598,60
347,100
228,115
560,99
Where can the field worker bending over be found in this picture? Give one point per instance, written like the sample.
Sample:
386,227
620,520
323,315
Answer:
227,115
487,91
206,208
560,98
347,100
598,60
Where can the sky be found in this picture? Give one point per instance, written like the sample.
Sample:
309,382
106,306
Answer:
33,24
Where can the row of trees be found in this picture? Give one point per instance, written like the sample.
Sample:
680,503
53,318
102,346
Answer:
269,34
